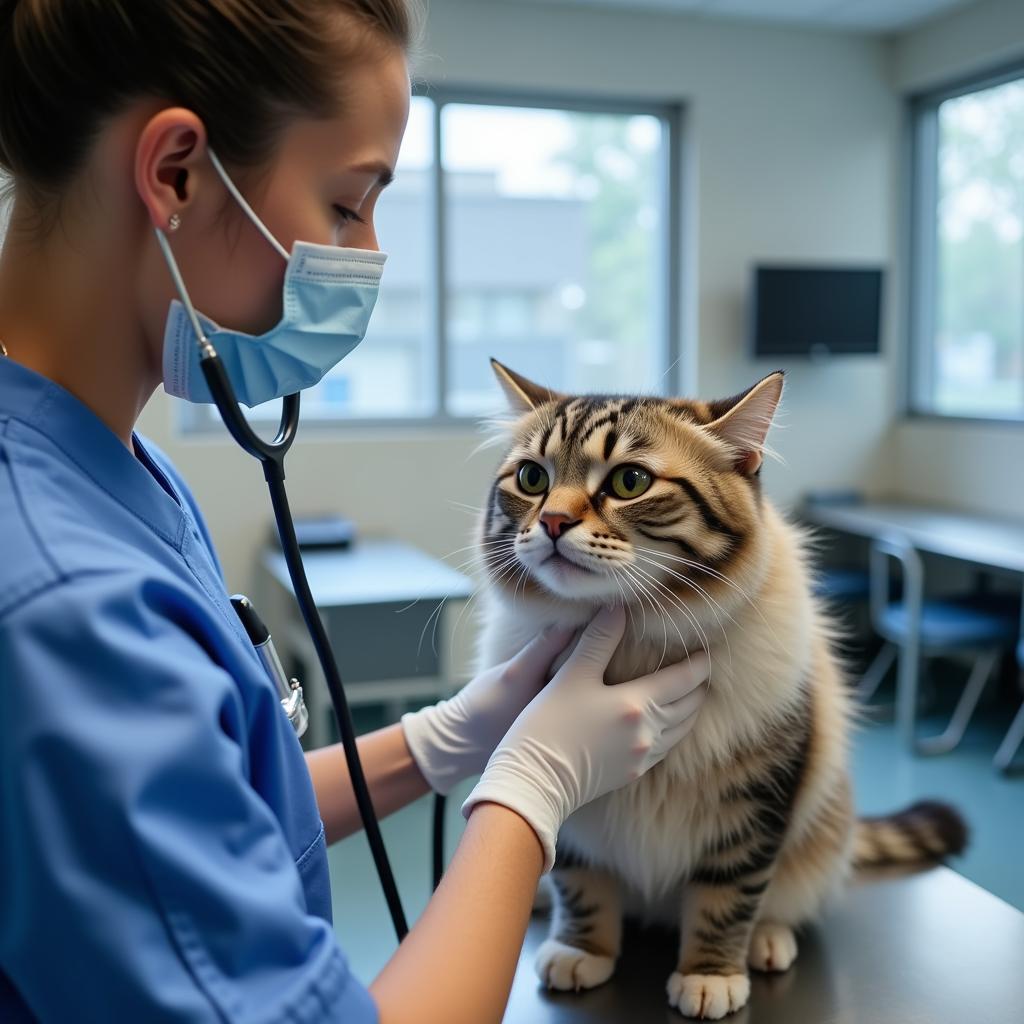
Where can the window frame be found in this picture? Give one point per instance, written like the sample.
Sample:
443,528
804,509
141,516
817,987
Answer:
921,240
674,368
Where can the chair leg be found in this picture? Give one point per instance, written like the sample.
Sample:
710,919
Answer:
1008,748
876,672
954,732
907,679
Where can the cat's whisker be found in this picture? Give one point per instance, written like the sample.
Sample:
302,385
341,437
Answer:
468,509
483,560
695,586
694,621
665,618
435,615
479,559
507,568
627,604
725,579
708,600
621,576
697,565
458,622
714,573
679,604
477,545
520,579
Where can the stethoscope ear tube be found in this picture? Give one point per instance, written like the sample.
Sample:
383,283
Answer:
271,455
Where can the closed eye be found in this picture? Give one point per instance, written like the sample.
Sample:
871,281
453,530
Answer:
348,215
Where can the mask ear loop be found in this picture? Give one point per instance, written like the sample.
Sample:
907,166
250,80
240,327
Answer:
240,199
172,263
206,349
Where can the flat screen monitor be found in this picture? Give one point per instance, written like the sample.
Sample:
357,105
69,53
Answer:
816,311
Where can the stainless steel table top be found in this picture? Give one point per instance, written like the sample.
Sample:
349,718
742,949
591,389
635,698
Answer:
931,948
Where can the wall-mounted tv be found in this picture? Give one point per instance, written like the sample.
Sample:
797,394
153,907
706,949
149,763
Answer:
815,311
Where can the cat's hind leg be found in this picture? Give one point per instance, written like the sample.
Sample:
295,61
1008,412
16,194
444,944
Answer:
586,928
772,947
809,869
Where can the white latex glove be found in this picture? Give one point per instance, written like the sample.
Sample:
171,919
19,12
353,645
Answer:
579,738
451,740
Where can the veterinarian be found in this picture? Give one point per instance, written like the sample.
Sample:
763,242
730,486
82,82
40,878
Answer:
162,835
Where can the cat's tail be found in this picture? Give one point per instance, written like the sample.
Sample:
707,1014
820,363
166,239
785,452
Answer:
924,833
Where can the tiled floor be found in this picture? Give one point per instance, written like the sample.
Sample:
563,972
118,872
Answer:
886,777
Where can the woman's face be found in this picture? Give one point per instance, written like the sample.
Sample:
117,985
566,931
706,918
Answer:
322,185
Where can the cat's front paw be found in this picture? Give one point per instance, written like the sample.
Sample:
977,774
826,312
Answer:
569,969
772,947
708,996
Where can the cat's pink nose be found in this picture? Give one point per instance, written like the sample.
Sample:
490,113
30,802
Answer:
556,523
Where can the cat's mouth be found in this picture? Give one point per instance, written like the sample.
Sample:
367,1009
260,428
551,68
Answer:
558,561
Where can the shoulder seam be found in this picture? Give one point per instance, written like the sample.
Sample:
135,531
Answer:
30,524
26,597
174,542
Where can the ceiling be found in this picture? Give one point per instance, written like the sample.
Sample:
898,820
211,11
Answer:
854,15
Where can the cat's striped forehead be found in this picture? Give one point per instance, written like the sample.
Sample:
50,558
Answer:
577,431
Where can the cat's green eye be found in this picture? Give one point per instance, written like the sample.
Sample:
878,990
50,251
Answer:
630,481
533,479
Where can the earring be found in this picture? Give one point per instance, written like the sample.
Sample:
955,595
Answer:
173,222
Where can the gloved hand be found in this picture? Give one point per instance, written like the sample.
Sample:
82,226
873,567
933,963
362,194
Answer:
453,739
579,739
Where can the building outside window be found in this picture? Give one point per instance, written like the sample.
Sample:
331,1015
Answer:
539,234
967,329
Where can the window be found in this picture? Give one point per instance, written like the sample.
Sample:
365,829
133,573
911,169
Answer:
967,307
542,234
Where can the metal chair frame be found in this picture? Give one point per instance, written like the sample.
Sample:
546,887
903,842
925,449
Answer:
1015,734
909,649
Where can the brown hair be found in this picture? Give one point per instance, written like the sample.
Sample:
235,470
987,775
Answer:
243,66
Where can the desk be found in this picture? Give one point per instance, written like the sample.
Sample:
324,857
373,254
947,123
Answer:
931,948
982,540
379,602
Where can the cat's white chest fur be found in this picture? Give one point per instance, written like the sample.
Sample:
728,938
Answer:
652,831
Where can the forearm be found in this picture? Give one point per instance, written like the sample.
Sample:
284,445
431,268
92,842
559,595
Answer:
391,774
456,965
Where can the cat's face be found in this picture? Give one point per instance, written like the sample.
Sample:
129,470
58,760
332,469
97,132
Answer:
643,501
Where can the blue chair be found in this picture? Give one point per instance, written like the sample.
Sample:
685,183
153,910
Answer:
983,624
1015,736
837,583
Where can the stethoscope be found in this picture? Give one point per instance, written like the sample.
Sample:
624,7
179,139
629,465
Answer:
271,455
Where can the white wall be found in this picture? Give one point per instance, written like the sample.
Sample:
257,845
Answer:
793,140
970,465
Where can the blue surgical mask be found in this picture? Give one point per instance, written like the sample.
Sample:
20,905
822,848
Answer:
329,294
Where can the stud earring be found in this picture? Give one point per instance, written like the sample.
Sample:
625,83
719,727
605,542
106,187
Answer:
173,222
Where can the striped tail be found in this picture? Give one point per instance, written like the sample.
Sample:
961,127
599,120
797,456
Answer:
924,833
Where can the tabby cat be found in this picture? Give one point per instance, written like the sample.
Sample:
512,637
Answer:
745,828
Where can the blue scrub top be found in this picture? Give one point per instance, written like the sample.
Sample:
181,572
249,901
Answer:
161,852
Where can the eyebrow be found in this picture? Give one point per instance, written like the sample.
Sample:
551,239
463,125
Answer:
385,175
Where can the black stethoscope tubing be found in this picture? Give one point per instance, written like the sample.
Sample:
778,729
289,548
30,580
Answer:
271,455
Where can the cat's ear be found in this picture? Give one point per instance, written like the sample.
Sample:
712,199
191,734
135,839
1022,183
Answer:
523,395
744,419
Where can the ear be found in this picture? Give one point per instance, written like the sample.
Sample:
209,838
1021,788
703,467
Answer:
523,395
167,156
743,421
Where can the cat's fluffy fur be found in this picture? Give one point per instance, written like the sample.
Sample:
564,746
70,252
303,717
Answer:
747,826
